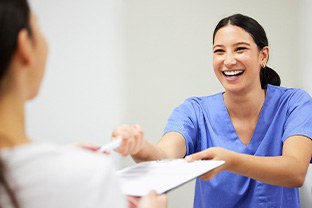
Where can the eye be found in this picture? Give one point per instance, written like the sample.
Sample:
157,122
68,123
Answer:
218,51
240,49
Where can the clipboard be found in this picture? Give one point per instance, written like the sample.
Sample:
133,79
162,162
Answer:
162,175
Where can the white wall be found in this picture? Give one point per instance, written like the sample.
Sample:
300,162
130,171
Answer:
305,45
81,97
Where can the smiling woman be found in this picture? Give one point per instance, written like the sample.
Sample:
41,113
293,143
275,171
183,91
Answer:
254,41
257,127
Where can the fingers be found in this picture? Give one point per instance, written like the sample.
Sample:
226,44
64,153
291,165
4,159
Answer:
133,201
203,155
153,200
132,139
211,174
213,153
88,147
120,131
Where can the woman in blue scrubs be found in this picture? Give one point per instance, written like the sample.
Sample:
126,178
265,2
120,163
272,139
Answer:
261,130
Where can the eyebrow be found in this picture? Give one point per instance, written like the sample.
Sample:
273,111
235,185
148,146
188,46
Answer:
238,43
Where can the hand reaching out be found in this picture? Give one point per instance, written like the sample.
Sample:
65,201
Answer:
214,153
132,139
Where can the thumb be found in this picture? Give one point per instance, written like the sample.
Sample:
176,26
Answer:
203,155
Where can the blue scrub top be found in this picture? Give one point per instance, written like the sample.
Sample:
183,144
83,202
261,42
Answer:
204,122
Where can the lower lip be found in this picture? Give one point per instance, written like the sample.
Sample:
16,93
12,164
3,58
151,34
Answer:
232,78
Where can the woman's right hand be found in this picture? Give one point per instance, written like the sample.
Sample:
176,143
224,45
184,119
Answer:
132,139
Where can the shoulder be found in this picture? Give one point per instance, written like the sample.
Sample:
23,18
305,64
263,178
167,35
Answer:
196,105
291,96
288,92
203,100
76,177
53,156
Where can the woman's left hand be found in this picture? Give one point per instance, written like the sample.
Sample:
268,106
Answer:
214,153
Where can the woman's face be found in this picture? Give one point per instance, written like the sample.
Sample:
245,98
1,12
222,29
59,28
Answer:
237,59
40,51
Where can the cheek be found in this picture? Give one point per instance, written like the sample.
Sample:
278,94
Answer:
247,59
244,57
217,62
43,53
217,66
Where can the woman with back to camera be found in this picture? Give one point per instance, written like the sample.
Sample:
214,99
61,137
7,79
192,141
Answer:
34,175
261,130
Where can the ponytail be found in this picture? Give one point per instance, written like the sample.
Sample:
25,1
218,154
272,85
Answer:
269,76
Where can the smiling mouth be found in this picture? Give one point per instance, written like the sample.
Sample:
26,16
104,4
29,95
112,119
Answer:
233,73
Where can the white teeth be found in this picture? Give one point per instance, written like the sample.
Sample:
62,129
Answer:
232,73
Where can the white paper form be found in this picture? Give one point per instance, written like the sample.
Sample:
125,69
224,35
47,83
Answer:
162,176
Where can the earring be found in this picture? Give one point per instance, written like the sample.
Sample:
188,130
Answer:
262,66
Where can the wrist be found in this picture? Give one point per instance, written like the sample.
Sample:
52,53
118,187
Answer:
234,161
139,155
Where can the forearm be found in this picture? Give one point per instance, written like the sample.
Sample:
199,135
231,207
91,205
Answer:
149,152
280,170
170,146
288,170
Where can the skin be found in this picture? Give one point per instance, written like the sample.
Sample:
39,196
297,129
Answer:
234,51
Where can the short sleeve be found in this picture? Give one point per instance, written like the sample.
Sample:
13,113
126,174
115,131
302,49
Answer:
299,116
183,120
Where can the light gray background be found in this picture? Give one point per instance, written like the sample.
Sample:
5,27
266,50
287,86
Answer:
133,61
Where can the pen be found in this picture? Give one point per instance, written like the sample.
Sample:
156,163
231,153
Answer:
110,146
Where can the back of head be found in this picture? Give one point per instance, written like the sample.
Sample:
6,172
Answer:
14,16
256,31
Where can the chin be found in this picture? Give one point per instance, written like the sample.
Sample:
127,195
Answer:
233,88
33,95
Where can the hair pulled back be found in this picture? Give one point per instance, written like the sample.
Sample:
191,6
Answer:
14,16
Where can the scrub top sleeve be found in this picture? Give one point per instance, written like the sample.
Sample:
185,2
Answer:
299,118
184,121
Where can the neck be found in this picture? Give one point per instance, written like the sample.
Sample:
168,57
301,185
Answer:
12,124
245,106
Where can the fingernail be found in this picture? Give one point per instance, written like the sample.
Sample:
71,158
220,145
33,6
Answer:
188,158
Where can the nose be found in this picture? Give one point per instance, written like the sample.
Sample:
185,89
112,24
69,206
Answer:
229,59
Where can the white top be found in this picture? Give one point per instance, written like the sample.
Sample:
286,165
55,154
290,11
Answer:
48,176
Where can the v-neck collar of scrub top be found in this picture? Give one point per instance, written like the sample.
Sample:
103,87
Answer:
261,125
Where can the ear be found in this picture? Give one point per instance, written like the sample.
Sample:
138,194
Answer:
24,49
264,55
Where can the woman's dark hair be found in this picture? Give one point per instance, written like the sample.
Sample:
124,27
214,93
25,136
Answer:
14,16
267,74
